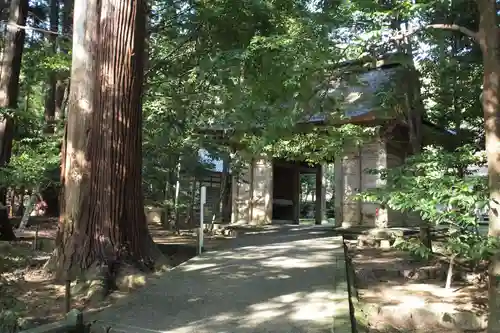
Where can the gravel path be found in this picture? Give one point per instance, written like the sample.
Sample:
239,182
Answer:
281,280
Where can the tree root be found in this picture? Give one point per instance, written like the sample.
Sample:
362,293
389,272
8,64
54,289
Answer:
95,273
101,280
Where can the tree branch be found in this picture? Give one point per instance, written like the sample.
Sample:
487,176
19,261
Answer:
453,27
37,29
179,46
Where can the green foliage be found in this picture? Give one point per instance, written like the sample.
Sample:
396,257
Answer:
35,156
249,71
434,184
414,246
472,246
252,70
314,145
34,164
439,186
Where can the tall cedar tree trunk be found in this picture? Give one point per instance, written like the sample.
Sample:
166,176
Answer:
10,69
75,165
115,205
110,227
489,41
50,194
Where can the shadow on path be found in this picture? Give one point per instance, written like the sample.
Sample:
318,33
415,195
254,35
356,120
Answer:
280,281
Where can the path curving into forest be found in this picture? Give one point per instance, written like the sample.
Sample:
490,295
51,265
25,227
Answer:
288,280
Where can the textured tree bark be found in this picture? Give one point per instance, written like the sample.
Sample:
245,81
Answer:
104,224
51,193
489,42
62,84
115,203
10,68
50,98
75,169
61,96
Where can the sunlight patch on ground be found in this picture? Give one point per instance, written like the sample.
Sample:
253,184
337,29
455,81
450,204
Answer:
433,289
195,267
279,287
260,232
423,292
287,262
265,248
316,306
300,308
279,277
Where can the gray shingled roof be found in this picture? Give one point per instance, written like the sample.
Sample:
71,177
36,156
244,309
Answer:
356,95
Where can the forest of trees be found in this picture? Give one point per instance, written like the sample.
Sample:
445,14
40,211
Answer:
101,101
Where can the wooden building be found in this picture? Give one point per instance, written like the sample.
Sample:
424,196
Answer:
267,191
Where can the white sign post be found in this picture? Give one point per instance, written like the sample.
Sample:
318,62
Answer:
203,199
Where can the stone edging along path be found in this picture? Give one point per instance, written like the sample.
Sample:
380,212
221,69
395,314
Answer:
343,320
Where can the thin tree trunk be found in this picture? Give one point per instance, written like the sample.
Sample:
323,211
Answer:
489,41
10,67
449,275
62,175
51,105
50,98
171,180
165,212
27,213
415,114
192,203
177,193
62,83
458,117
415,109
226,200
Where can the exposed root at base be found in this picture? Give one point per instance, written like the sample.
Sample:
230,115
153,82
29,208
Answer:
102,279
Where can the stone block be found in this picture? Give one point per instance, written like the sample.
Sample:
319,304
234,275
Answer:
385,244
154,215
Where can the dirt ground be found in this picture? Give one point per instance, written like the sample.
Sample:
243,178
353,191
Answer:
26,288
398,293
